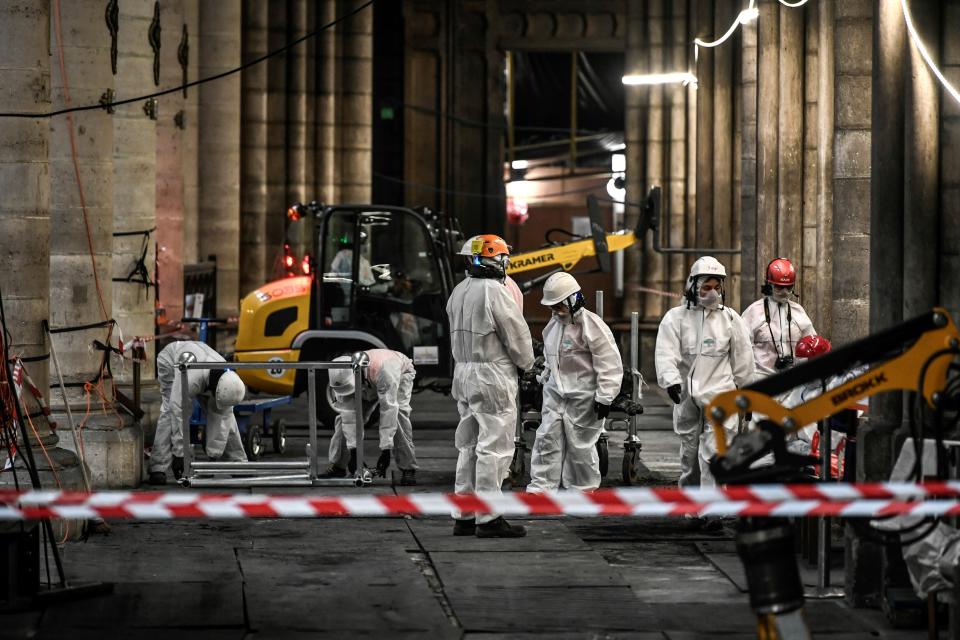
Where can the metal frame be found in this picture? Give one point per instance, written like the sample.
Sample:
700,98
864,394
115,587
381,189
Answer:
267,474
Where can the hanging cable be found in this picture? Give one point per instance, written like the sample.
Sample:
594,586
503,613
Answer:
187,85
915,37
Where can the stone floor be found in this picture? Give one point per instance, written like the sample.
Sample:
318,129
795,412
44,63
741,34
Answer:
406,577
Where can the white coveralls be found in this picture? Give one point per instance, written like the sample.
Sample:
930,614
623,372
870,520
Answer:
490,340
221,433
583,366
779,337
391,376
706,352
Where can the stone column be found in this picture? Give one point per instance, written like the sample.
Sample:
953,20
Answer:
653,263
134,183
825,136
296,102
675,193
25,209
768,126
789,224
748,164
253,175
721,173
276,174
853,55
636,62
191,138
949,293
219,154
170,188
808,261
922,207
705,124
356,104
326,103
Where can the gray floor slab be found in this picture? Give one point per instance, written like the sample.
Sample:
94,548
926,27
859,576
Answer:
547,609
527,570
335,590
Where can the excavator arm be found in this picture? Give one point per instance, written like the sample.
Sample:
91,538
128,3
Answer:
915,355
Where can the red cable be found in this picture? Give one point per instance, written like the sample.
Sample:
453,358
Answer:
73,153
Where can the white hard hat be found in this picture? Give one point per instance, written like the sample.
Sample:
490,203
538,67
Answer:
465,250
706,266
341,380
230,390
558,288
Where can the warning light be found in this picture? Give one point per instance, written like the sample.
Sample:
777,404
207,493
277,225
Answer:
305,265
288,260
294,212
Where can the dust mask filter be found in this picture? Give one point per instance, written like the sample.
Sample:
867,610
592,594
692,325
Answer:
781,295
711,300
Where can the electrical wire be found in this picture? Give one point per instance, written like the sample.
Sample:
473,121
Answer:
915,37
194,83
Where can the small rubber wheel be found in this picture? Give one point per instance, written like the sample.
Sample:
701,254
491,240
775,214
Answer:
253,442
604,452
631,475
279,431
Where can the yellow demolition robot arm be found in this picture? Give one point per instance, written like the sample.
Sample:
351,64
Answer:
568,255
898,357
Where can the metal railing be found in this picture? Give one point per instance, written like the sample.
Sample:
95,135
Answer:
279,473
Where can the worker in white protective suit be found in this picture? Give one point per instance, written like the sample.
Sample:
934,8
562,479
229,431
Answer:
702,350
390,375
489,340
775,322
582,377
218,390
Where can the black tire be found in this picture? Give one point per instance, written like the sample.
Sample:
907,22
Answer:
253,442
604,452
279,431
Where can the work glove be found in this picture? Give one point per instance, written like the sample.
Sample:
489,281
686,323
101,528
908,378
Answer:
383,463
674,392
177,467
602,410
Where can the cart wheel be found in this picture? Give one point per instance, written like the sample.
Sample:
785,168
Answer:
253,442
604,453
518,468
631,475
279,430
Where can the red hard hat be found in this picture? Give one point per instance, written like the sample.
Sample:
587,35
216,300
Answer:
812,346
781,273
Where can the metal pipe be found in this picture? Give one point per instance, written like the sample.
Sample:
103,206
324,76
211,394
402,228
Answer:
573,110
66,403
263,481
511,117
684,250
266,365
186,410
279,464
823,525
634,372
600,303
312,424
358,365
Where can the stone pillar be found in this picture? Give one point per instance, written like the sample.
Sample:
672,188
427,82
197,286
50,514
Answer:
768,126
825,137
191,138
253,174
853,55
356,104
675,192
721,147
296,102
276,174
326,103
170,188
653,263
810,258
748,164
851,169
219,155
922,210
949,293
790,137
705,125
25,209
636,62
134,183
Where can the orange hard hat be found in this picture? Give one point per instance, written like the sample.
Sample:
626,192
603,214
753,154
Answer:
489,246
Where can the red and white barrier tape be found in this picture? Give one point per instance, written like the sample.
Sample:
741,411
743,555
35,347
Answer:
839,500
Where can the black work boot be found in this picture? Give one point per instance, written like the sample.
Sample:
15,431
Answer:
500,528
177,466
408,477
383,463
352,463
464,527
157,478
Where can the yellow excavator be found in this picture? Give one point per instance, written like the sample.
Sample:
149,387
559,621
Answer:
373,276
